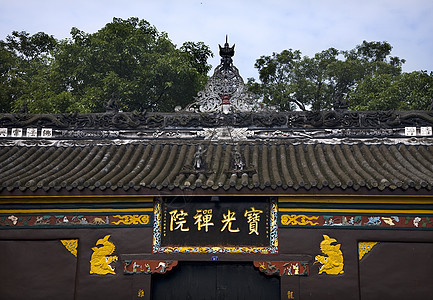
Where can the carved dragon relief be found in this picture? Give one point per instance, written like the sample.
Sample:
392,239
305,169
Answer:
332,262
102,258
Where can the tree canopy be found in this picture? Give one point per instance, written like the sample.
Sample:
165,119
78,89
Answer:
364,78
131,66
128,60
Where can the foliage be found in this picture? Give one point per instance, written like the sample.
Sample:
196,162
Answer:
364,78
127,59
406,91
25,61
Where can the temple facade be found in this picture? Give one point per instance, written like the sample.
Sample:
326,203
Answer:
223,199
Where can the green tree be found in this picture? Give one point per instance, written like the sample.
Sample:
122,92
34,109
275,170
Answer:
25,61
366,77
406,91
126,58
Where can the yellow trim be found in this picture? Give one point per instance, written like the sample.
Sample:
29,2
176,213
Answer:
369,211
397,199
86,210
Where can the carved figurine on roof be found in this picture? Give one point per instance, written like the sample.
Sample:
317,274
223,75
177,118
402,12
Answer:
225,91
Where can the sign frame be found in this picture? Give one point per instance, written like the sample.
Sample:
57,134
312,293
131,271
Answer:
271,246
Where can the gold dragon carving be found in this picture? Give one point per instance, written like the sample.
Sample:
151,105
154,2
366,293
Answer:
333,262
102,258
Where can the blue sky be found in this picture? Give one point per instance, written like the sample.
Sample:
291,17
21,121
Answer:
256,27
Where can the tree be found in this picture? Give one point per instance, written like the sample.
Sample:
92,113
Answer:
406,91
25,60
126,59
364,78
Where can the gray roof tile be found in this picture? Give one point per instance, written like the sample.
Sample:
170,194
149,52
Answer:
170,165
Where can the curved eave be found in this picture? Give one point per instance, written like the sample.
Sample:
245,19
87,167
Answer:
171,168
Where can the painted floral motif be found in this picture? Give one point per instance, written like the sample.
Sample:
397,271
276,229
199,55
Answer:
132,219
298,220
365,247
71,246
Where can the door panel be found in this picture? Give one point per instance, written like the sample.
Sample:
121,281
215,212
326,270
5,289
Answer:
36,270
215,281
397,271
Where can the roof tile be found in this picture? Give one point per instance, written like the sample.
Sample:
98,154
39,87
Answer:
170,165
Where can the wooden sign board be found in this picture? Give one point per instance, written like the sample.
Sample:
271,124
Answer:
227,225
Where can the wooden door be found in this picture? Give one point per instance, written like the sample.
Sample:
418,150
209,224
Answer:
36,270
215,281
397,271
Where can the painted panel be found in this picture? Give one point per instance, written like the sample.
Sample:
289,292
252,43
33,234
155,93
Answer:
59,218
370,221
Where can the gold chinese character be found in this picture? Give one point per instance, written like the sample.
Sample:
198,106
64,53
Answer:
178,219
227,221
140,293
203,219
253,219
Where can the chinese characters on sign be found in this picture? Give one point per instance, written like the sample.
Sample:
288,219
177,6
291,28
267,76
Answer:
230,225
253,217
178,219
203,218
227,221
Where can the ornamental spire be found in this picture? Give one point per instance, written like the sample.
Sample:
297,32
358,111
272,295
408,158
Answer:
226,54
225,91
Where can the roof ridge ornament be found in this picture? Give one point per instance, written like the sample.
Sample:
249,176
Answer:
225,91
226,54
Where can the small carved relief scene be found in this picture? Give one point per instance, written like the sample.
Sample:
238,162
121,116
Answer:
148,266
281,268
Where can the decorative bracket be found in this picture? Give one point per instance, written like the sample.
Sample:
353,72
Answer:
148,266
365,247
281,268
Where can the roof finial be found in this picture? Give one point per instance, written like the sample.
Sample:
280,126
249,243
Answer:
226,54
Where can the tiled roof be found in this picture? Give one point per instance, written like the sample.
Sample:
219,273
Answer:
217,167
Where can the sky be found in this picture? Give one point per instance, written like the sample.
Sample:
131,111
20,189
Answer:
257,27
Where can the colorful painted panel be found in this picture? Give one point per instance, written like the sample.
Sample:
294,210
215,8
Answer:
85,219
357,221
148,266
281,268
222,227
